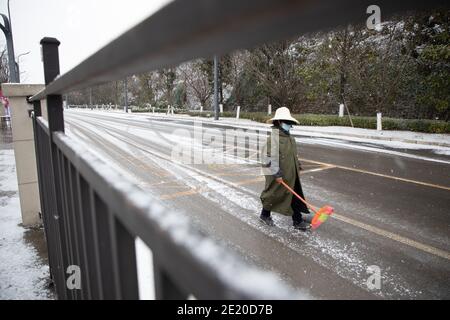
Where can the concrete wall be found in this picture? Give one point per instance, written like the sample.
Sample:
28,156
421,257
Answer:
23,142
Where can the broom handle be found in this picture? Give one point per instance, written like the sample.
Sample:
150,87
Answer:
300,198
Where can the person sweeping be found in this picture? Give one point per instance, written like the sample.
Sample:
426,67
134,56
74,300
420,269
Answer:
283,168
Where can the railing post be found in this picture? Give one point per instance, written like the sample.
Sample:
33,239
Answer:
50,57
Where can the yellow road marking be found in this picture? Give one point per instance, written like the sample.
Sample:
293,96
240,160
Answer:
238,183
390,235
199,190
225,174
165,186
395,237
380,175
249,181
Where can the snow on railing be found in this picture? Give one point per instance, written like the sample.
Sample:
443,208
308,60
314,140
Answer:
143,217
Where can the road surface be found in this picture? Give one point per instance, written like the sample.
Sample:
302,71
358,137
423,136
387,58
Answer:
392,208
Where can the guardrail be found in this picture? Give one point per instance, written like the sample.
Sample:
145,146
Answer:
92,215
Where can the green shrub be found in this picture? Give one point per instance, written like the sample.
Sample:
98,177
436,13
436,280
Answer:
428,126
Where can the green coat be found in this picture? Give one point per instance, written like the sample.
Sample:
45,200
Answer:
275,197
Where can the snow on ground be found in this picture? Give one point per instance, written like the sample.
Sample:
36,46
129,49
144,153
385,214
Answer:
438,143
348,260
372,148
353,141
24,274
394,135
411,143
443,152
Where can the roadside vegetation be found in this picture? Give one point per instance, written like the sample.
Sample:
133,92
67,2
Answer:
401,70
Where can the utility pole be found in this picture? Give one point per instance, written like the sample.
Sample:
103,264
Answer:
216,92
126,95
6,28
90,98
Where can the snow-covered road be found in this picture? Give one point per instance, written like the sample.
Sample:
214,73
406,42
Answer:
391,209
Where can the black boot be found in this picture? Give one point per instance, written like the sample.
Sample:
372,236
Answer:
299,223
303,226
266,218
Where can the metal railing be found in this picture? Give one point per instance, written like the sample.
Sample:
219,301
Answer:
92,216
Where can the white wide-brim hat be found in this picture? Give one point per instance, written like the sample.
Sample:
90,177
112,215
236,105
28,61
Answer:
283,114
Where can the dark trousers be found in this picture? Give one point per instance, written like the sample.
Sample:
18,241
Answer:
297,205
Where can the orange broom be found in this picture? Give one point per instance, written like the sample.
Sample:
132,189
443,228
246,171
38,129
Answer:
320,216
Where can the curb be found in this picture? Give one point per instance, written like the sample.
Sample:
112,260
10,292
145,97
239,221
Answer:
431,143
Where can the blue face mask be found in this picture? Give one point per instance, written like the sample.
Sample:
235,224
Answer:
286,126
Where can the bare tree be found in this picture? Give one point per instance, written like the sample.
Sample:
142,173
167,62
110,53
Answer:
379,69
196,81
236,70
275,67
4,70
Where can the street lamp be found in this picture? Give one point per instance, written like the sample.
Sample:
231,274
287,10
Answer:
22,54
18,63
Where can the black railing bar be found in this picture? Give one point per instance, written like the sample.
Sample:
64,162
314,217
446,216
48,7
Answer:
165,287
137,212
126,249
39,166
91,247
52,210
43,139
60,223
93,213
37,129
64,212
42,161
86,288
75,214
104,242
114,253
64,217
70,213
188,29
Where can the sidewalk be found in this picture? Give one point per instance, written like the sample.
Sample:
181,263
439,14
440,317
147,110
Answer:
24,272
344,133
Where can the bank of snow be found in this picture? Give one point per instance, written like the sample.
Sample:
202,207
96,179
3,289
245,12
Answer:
23,273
